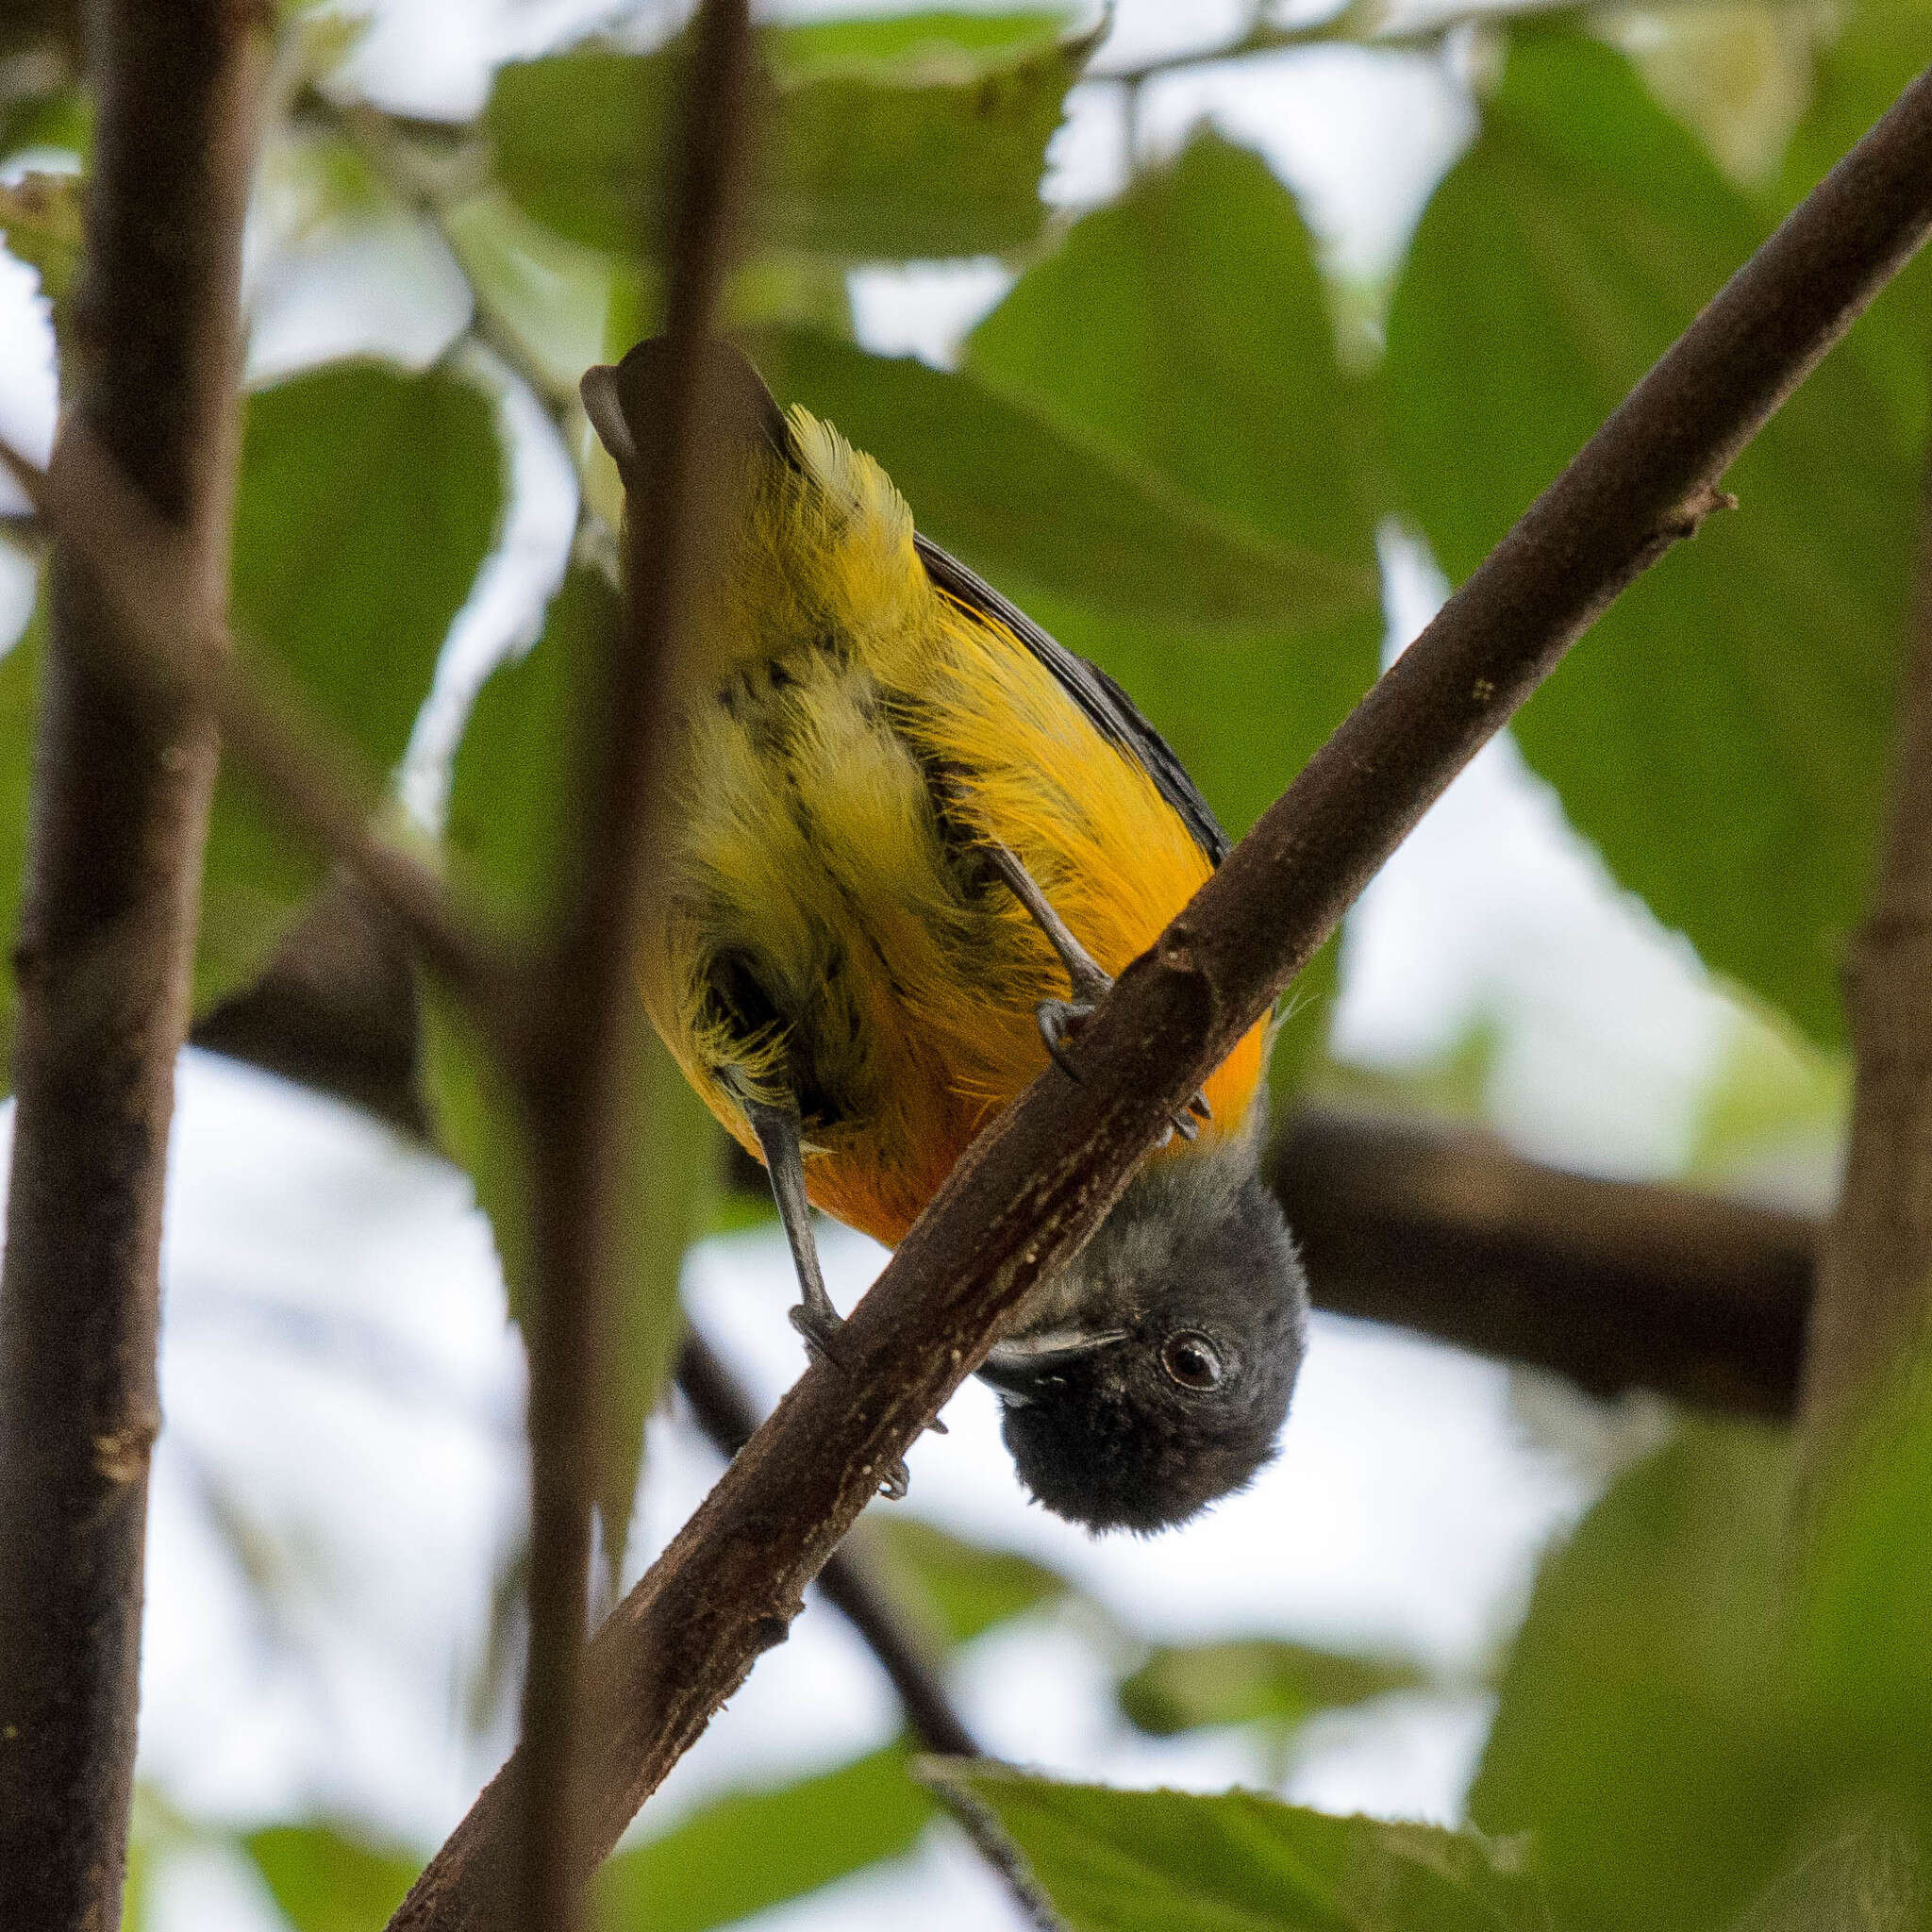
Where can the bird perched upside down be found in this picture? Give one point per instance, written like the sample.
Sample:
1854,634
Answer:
910,836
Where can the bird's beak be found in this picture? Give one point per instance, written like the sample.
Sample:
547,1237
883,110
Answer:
1017,1366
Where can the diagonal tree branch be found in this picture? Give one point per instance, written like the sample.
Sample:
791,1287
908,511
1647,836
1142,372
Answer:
120,804
1040,1179
1617,1285
725,1413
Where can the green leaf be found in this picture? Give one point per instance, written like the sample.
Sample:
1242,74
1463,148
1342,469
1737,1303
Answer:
868,158
1867,1877
1187,326
552,296
512,820
1252,1680
1186,329
326,1878
368,500
1647,1731
1722,733
917,47
1877,48
1865,1621
20,670
1023,501
39,221
752,1850
962,1588
1170,1861
61,120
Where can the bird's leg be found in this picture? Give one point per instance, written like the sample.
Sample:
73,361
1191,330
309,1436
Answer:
815,1318
782,1146
1059,1019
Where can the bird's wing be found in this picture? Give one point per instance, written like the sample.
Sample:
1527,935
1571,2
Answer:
1110,709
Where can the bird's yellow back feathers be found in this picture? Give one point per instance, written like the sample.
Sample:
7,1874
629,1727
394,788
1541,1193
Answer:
830,932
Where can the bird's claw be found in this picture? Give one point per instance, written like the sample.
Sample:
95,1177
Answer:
896,1480
1059,1022
819,1327
1062,1020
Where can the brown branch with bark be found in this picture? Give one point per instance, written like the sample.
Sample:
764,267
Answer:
1040,1179
1873,1322
120,803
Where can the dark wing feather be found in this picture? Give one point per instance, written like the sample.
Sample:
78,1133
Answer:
1110,709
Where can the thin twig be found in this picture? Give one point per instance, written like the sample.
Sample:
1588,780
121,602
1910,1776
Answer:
573,1078
1038,1182
117,818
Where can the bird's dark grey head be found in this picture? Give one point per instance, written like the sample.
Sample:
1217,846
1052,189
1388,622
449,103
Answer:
1152,1375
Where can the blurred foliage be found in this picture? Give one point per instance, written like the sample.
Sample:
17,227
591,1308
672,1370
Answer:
804,1836
19,676
962,1590
40,223
1775,1098
1255,1680
1724,733
512,818
367,502
1166,1861
326,1878
870,147
1645,1733
990,480
1152,444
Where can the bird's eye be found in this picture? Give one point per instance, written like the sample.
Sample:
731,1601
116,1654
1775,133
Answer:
1189,1358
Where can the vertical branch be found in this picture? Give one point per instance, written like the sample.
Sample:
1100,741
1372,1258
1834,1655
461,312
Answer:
121,793
581,1037
1872,1312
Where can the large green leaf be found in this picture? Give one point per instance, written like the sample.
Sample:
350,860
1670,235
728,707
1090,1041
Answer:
368,500
752,1850
1648,1733
1025,503
1865,1623
961,1588
872,154
1187,327
1875,49
1169,1861
512,820
1722,733
1187,324
1261,1680
1867,1877
325,1878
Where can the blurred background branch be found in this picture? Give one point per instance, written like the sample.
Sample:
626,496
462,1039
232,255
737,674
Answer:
104,954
